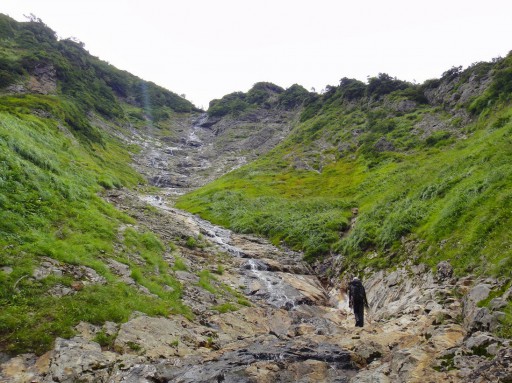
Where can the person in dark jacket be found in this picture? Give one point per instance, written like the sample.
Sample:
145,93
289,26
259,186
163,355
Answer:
357,300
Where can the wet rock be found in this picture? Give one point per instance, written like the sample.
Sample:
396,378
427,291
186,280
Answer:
413,319
255,264
205,147
269,359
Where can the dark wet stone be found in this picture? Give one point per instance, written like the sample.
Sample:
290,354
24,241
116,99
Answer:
233,366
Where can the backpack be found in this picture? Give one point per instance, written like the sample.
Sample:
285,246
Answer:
357,292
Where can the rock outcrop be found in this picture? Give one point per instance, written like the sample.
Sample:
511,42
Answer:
42,80
202,148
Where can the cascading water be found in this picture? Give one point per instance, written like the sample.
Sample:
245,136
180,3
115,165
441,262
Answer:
274,290
261,282
193,139
216,234
272,287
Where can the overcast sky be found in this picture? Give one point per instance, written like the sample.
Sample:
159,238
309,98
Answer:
208,48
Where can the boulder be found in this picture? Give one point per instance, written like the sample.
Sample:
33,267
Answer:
479,340
78,359
470,304
486,320
444,271
159,337
23,368
307,285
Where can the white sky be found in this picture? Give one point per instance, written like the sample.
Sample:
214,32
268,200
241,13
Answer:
208,48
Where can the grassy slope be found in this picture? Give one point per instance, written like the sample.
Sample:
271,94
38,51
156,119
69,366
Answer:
443,195
50,208
54,164
451,195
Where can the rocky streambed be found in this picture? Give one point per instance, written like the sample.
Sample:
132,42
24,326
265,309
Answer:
260,314
269,319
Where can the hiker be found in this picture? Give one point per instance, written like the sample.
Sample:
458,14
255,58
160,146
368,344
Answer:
357,300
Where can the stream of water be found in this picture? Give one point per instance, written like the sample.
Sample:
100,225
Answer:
272,287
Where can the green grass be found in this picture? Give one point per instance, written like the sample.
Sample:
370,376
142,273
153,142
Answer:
179,264
454,200
105,340
30,321
225,307
506,325
49,186
427,185
58,155
205,281
426,197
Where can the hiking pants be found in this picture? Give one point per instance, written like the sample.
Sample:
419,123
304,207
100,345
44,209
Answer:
359,313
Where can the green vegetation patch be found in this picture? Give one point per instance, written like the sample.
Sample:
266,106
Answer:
49,185
449,196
